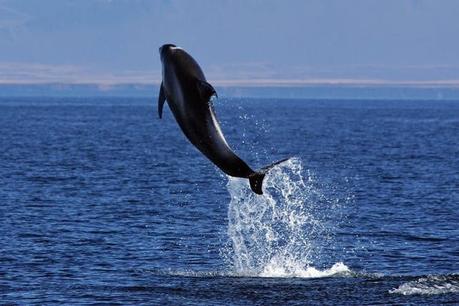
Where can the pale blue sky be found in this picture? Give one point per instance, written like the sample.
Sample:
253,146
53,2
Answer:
312,41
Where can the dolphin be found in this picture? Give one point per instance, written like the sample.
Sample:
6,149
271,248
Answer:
188,95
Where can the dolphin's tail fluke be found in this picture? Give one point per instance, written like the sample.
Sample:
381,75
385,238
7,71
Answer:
256,178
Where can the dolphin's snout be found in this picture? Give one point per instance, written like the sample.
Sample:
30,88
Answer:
166,47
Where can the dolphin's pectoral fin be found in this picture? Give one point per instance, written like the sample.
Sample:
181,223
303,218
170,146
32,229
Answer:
161,100
206,90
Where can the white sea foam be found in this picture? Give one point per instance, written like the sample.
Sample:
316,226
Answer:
429,286
273,269
276,234
276,269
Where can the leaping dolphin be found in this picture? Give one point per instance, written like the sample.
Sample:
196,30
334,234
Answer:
188,95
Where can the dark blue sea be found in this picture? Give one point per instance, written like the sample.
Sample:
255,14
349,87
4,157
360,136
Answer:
103,203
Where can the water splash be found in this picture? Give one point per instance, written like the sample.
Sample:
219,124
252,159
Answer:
279,234
430,285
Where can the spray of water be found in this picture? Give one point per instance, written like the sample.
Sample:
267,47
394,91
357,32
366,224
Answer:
277,234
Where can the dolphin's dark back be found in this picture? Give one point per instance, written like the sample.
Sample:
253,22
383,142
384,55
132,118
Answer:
188,95
189,98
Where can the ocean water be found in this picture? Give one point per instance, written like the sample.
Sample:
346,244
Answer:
103,203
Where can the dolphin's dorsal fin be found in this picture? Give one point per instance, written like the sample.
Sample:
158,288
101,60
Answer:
206,90
161,100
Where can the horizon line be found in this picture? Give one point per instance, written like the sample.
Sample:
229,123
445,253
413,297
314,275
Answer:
107,83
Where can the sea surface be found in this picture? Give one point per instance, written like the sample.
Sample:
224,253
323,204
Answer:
102,203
